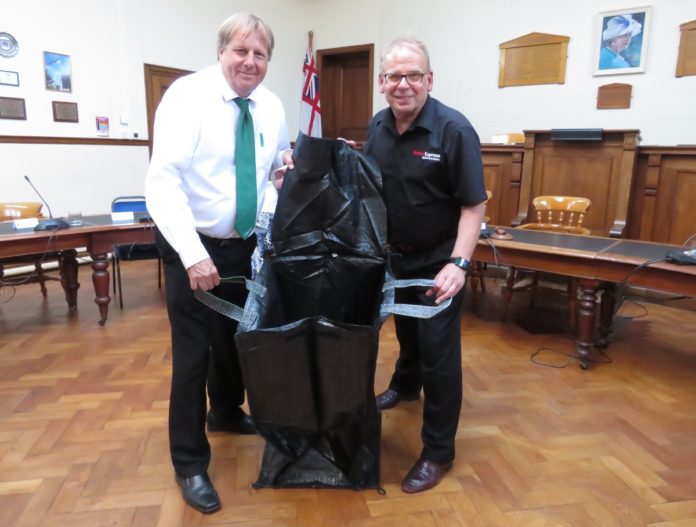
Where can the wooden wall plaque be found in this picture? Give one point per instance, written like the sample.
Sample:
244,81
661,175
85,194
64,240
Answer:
612,96
686,62
536,58
12,108
65,112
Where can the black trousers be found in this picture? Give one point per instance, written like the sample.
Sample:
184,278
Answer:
203,351
430,357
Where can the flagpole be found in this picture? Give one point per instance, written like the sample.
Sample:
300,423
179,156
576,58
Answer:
310,106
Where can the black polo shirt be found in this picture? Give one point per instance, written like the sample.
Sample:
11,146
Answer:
429,172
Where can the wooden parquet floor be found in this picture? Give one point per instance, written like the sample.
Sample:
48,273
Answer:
83,438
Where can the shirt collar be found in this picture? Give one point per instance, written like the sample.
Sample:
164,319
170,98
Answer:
227,92
426,118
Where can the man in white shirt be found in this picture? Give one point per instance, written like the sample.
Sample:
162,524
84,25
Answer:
191,189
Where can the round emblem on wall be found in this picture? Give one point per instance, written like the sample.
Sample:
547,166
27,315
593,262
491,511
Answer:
8,45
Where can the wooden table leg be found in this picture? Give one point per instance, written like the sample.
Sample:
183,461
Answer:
606,317
472,277
67,265
100,278
586,320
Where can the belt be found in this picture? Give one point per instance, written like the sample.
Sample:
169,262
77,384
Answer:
408,249
222,242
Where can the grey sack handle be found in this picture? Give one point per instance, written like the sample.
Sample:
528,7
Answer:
388,306
224,307
409,310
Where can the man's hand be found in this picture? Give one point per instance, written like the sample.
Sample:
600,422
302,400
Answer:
287,159
203,275
448,282
349,142
279,173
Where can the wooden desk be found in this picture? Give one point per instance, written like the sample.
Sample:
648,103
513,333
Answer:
596,262
97,233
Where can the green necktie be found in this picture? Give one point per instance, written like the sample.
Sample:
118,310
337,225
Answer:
245,164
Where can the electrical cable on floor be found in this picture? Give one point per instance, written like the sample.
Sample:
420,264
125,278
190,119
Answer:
570,358
2,288
637,304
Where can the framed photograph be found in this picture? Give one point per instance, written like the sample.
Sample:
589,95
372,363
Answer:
58,72
9,78
622,41
65,112
12,108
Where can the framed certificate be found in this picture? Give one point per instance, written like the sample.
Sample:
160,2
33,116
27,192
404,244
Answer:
9,78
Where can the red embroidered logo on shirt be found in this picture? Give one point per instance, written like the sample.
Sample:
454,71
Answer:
427,156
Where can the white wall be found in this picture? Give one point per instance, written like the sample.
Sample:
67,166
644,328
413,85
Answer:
110,40
464,37
108,43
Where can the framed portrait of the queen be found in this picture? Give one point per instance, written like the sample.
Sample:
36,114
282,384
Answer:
622,41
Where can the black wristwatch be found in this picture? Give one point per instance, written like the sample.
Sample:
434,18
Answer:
461,262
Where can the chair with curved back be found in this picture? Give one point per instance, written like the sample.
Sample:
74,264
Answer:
560,214
15,210
132,251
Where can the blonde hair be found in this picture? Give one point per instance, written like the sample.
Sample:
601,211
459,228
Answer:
244,24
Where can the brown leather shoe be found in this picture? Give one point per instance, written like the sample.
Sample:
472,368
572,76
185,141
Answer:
424,475
390,398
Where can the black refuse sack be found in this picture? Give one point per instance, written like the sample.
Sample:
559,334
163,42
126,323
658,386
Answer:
309,348
308,334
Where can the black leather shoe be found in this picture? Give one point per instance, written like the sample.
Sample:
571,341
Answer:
245,425
424,475
199,493
390,398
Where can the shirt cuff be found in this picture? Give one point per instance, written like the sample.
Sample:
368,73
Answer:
192,254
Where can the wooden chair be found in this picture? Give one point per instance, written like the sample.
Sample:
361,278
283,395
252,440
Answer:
562,214
475,276
20,209
10,211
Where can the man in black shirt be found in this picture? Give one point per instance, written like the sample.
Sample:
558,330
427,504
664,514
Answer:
430,159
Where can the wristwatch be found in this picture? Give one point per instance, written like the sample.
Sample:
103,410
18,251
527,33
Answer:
461,262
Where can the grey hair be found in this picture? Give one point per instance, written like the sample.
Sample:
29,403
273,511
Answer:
405,42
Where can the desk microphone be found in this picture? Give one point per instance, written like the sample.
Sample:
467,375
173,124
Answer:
50,224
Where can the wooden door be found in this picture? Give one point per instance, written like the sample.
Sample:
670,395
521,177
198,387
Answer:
345,79
157,80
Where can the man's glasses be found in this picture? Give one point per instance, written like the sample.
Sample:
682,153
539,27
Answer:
392,79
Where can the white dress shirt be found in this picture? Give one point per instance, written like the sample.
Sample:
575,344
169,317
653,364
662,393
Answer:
190,185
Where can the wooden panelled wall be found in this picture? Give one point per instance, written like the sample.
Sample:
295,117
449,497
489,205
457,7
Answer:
637,192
